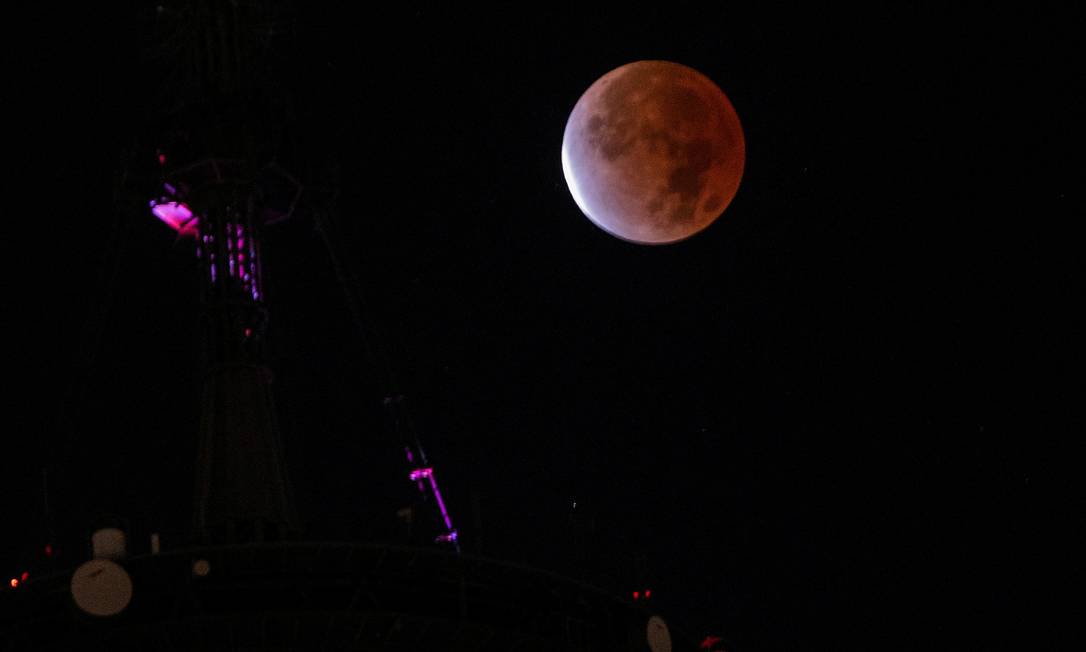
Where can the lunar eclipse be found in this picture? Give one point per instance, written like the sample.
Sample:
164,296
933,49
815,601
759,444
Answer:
653,152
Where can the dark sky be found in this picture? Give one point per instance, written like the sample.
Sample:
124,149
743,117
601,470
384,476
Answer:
795,419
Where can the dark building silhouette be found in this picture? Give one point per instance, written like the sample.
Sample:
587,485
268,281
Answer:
245,577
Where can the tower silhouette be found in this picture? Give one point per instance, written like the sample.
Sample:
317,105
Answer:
215,139
218,133
242,493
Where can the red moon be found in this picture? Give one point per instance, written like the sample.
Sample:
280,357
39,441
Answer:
653,152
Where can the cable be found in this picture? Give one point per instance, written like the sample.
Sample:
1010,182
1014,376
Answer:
394,401
94,326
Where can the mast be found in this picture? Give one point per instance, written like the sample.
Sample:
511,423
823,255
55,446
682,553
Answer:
217,130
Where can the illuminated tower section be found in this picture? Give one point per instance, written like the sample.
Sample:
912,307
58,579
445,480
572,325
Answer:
218,116
242,493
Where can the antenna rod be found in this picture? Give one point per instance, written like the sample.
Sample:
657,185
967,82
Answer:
417,475
394,401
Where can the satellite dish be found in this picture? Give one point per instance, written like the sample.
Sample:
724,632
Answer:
101,588
659,639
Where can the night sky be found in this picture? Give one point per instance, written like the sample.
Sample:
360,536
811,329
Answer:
791,427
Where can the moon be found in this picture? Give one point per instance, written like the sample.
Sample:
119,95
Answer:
653,152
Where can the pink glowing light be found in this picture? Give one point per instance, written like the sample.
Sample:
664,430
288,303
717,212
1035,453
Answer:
428,472
636,594
441,504
177,215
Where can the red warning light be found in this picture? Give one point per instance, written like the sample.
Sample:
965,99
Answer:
648,593
48,550
24,576
637,594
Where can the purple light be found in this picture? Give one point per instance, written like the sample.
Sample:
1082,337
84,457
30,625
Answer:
417,476
177,215
440,502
